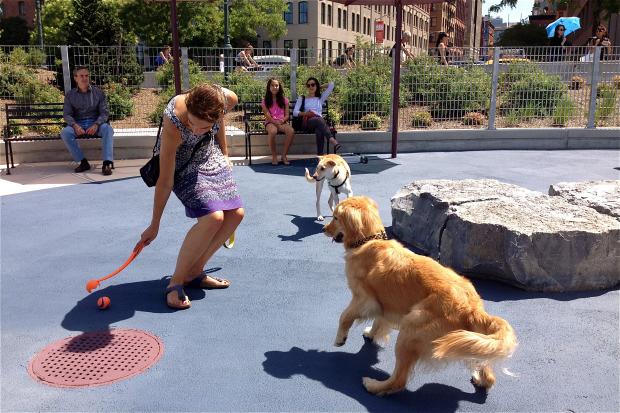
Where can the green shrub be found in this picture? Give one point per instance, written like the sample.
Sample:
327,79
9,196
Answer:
120,103
370,121
11,77
334,115
165,75
606,104
421,120
450,91
33,57
474,119
365,90
109,64
616,82
563,112
247,87
536,94
35,91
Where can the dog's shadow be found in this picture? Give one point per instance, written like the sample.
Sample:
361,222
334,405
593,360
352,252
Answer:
306,227
126,300
343,372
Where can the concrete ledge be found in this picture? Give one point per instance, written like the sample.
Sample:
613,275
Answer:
138,143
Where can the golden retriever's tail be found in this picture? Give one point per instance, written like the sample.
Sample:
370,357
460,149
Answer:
499,342
309,177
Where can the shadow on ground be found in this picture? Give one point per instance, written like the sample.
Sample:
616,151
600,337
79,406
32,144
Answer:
126,299
343,372
306,227
375,165
497,291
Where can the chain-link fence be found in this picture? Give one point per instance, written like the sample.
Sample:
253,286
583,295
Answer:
477,88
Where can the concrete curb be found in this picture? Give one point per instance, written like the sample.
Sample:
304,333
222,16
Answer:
131,144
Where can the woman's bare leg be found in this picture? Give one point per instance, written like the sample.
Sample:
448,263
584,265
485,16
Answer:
272,131
290,134
232,219
191,251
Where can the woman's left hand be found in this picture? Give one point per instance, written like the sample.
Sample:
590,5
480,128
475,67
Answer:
230,164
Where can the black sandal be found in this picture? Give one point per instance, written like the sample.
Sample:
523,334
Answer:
197,282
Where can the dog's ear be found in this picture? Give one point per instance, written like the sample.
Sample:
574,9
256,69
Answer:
351,222
330,162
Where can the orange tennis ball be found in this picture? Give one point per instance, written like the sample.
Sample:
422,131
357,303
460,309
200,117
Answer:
91,285
103,302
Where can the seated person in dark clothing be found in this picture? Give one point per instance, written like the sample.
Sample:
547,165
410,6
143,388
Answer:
86,113
345,60
601,38
558,41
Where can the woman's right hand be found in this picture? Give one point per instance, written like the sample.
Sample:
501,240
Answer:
148,236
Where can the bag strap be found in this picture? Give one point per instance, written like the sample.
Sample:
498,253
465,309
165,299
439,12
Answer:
197,146
303,103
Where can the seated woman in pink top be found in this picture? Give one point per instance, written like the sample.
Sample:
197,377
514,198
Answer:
275,108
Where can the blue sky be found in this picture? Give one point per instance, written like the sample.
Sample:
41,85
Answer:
523,9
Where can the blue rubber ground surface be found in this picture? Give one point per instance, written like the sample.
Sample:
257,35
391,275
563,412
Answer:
265,343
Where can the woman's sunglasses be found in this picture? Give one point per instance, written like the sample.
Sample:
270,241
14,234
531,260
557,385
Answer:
310,84
600,29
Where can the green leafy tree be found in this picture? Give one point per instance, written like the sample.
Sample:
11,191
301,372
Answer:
524,35
98,41
201,24
14,31
54,14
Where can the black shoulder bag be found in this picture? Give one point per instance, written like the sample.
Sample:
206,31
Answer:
150,171
298,124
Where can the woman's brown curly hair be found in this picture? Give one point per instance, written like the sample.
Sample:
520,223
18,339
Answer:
206,102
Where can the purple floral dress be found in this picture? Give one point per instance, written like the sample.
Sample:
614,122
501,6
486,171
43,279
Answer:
206,184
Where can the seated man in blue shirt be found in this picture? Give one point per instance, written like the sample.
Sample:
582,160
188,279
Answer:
86,113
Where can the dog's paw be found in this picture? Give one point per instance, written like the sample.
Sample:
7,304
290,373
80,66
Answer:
377,340
320,218
372,386
339,342
367,331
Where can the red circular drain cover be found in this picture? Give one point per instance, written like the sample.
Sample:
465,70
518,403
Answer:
93,359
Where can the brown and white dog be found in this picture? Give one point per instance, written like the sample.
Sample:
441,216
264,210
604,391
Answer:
335,170
439,313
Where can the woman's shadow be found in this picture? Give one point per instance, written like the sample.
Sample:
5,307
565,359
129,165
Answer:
126,300
343,372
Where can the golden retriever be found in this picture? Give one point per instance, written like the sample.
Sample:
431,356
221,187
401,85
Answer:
439,314
336,171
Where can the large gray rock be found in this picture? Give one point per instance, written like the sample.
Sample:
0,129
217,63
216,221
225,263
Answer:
495,230
603,196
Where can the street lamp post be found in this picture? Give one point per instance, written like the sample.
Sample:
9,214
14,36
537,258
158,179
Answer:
227,45
39,23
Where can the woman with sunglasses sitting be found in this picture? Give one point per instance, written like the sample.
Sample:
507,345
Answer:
312,114
601,38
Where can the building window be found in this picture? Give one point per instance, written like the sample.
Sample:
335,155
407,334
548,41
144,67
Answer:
21,7
324,51
288,45
322,13
339,18
433,22
303,12
288,14
358,23
344,19
330,46
329,15
303,51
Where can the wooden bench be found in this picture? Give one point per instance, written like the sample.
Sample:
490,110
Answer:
32,116
254,121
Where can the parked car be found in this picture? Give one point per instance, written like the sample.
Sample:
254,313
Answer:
269,62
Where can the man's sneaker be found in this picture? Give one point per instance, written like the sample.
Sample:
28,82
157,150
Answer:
83,166
107,167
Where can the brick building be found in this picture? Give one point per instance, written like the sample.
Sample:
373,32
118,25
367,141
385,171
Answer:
26,9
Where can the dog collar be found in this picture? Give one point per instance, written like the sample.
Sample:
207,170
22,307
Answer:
359,243
338,186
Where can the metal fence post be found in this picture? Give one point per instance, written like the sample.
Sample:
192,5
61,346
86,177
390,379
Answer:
66,71
494,88
185,68
294,74
594,88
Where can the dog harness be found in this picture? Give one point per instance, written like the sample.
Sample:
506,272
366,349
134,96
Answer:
359,243
338,186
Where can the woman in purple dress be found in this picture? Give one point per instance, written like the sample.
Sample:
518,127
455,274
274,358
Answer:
195,122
